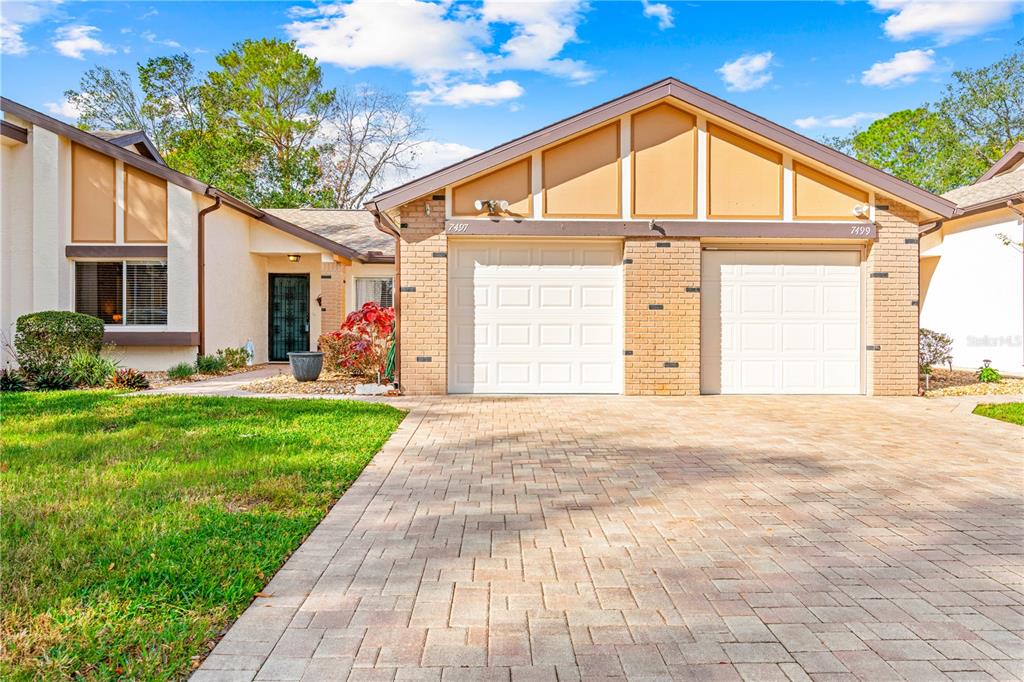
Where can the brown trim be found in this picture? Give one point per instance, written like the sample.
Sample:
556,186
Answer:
138,139
663,228
115,251
13,132
632,164
1015,154
991,204
707,180
618,174
151,338
669,87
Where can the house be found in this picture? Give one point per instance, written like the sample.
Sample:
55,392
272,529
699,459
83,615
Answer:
99,224
972,269
665,242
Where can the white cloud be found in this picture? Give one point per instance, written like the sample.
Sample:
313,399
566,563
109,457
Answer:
15,17
947,20
465,94
64,109
659,11
903,68
448,43
76,39
432,156
749,72
847,121
150,37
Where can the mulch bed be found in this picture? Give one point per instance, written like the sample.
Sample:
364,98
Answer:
160,379
329,383
955,382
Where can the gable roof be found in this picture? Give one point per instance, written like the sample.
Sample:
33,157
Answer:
152,167
131,138
1010,158
352,227
674,88
1001,187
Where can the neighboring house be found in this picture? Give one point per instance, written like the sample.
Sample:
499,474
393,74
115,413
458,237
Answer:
972,281
666,242
99,224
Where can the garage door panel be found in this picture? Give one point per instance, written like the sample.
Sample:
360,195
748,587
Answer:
780,322
541,317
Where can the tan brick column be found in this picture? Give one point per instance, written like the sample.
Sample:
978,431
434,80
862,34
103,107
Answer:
662,281
332,297
424,282
892,301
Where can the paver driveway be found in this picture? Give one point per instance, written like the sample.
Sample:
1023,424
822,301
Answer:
713,538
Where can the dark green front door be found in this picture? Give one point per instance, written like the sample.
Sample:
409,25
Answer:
289,315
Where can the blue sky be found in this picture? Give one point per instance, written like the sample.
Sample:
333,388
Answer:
484,72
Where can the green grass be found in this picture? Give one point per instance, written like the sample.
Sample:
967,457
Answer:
134,529
1007,412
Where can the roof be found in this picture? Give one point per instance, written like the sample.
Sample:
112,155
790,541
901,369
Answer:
1004,186
352,227
131,138
674,88
97,143
1008,160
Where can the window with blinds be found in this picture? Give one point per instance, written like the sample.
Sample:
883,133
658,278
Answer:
376,289
122,292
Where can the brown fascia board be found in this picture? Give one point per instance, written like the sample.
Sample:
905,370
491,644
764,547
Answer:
857,231
152,167
115,251
1007,201
669,87
140,139
13,132
1008,159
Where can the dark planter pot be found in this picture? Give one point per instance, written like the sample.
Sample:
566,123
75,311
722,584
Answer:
306,366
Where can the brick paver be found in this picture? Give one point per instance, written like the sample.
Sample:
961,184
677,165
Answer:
722,538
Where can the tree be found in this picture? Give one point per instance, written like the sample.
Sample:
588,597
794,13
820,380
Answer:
109,100
373,138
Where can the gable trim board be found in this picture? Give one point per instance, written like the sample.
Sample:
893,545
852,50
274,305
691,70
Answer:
1008,160
668,88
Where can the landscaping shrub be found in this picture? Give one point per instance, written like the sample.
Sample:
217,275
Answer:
182,370
128,379
211,364
89,369
361,345
234,358
934,348
12,381
52,379
989,375
47,340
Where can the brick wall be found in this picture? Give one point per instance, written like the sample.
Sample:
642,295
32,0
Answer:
332,296
424,282
892,301
662,316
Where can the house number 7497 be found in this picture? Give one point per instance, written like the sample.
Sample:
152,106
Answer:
458,227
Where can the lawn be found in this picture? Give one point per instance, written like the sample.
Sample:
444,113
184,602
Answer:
1007,412
135,529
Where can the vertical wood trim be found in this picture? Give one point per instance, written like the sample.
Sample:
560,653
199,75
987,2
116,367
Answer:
871,203
788,187
626,200
449,207
702,168
537,183
119,201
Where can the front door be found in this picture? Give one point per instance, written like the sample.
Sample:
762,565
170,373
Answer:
289,315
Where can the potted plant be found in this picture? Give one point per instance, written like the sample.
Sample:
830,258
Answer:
361,346
306,365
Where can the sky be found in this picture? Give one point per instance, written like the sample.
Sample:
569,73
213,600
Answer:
481,73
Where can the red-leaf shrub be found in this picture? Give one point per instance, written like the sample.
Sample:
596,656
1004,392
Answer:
361,345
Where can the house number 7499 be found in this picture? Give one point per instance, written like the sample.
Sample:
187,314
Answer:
860,230
458,227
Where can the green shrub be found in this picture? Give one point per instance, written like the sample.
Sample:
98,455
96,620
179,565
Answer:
12,381
211,364
934,348
89,369
128,379
235,358
52,379
182,370
989,375
47,340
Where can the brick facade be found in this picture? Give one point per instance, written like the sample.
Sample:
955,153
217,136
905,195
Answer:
332,296
662,299
424,298
892,307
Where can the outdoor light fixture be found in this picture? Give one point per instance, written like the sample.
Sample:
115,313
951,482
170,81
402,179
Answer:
493,206
294,257
861,210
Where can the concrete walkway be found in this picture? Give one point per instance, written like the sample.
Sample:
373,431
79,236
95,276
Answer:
583,538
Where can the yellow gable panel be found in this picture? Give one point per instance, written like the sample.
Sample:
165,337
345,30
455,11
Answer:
744,178
817,196
145,206
511,183
581,176
664,163
92,196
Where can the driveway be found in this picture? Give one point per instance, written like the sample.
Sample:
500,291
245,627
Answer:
714,538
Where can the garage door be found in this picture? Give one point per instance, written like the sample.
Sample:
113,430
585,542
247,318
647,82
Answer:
534,316
780,322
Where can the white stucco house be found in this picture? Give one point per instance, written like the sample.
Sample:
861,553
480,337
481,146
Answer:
972,270
97,223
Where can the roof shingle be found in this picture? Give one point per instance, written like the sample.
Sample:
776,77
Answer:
353,228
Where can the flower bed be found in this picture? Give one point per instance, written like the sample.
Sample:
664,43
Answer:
945,382
329,383
161,380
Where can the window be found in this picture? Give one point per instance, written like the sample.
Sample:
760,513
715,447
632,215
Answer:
376,289
122,292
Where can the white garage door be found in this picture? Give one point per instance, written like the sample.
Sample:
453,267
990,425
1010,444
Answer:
780,322
534,316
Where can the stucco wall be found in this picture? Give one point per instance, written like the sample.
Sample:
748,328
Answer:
976,292
15,237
